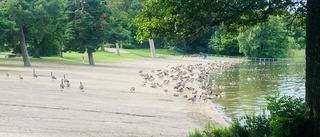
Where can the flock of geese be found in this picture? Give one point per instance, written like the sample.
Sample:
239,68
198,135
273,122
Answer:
65,83
189,81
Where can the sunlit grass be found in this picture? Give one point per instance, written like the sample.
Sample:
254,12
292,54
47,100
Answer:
100,56
298,55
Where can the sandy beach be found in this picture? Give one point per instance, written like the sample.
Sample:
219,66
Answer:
37,107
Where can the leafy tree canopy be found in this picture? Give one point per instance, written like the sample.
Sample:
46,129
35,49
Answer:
175,20
266,40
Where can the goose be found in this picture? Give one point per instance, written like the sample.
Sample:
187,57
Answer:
222,93
34,74
64,79
62,85
193,98
67,84
53,77
81,87
21,78
195,92
132,89
185,96
176,95
166,90
206,98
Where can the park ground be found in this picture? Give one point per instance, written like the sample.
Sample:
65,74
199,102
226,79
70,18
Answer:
36,107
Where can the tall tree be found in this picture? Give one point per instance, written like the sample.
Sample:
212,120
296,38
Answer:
19,13
6,27
224,43
313,68
86,27
46,16
176,19
266,40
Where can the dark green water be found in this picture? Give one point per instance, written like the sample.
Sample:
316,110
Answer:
246,85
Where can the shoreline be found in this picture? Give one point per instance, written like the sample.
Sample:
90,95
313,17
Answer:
37,107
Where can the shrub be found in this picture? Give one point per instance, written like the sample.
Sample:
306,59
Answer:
287,115
287,119
128,46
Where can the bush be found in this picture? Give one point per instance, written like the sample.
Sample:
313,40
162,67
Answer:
287,115
128,46
287,119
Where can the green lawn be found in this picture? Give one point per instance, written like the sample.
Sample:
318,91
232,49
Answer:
101,56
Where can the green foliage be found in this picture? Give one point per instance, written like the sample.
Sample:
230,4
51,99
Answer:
196,133
177,20
265,40
287,119
223,43
287,115
6,26
257,126
128,46
86,25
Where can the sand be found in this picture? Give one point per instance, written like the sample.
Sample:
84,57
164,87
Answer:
36,107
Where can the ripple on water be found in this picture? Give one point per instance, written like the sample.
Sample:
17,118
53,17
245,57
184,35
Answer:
252,82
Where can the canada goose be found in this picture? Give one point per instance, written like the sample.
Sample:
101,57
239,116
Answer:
64,79
185,96
194,92
153,85
67,84
144,84
132,89
34,74
81,87
180,90
190,88
176,95
206,98
193,98
222,93
53,77
62,85
21,78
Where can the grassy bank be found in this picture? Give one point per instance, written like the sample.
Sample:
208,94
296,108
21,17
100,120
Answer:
99,56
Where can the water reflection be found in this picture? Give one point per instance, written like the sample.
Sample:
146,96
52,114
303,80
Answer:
246,85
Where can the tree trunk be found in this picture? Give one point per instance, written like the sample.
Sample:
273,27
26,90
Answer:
90,57
24,50
60,50
313,68
102,47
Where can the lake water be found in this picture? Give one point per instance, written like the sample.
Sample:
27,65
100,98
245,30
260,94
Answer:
246,85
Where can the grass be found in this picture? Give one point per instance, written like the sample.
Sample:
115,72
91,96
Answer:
100,56
298,55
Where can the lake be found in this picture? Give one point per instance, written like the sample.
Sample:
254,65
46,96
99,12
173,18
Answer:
247,84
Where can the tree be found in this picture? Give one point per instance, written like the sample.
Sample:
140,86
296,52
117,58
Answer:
185,19
313,68
6,27
224,43
45,19
19,13
176,19
266,40
86,26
